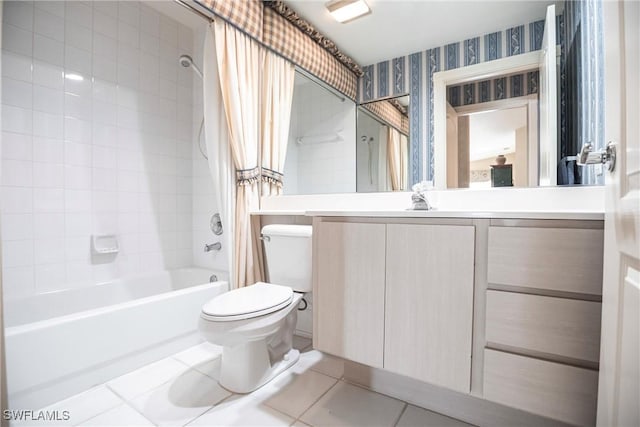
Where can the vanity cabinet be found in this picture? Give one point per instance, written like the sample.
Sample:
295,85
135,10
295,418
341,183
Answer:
429,303
349,298
397,297
543,315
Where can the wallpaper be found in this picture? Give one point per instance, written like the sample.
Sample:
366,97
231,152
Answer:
413,74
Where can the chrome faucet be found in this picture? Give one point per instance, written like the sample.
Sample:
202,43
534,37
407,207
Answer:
213,247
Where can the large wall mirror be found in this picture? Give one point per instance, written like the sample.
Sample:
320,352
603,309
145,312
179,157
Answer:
505,102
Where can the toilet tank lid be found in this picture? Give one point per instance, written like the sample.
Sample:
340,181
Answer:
287,230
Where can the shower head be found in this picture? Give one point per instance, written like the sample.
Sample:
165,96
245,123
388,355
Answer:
187,62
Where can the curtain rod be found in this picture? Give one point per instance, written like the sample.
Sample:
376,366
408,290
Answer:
188,5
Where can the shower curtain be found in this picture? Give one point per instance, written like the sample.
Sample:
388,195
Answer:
277,95
239,61
398,157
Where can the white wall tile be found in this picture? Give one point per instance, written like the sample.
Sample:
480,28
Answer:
49,277
78,36
77,107
54,7
129,13
77,177
16,146
17,226
48,225
16,66
16,199
48,50
109,8
48,75
48,175
17,173
48,125
149,21
17,253
17,281
16,93
128,34
48,200
77,201
76,127
18,13
77,224
49,251
47,100
77,154
17,40
17,120
79,13
76,59
96,154
48,25
105,24
105,46
48,150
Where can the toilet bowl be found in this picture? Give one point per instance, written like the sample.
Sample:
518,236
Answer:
255,324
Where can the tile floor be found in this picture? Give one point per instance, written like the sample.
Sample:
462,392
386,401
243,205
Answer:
183,390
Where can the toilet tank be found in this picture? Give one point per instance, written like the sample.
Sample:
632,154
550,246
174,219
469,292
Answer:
287,251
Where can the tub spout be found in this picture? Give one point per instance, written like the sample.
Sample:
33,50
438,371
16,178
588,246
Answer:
213,247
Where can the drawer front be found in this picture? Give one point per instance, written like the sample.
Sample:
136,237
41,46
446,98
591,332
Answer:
559,326
558,259
557,391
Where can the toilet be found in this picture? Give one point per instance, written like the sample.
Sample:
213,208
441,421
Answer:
255,324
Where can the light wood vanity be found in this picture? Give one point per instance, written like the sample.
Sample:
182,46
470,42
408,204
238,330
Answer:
503,308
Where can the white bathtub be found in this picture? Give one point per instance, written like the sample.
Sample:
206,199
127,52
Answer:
61,343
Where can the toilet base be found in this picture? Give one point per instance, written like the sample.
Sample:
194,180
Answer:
247,367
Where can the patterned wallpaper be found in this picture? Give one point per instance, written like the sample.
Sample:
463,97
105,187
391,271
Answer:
581,82
413,74
503,87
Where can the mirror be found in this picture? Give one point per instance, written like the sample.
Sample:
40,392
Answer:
515,45
382,145
321,151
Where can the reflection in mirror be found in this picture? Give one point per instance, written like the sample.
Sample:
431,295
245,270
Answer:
493,132
321,154
382,147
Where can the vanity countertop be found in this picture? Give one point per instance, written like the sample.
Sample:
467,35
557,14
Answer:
572,215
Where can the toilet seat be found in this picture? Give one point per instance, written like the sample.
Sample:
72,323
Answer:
248,302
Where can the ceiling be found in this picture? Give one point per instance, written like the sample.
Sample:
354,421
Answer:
494,132
399,27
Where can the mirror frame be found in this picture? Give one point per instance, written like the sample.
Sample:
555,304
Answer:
442,79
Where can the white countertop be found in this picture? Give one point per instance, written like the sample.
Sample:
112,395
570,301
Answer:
575,215
578,203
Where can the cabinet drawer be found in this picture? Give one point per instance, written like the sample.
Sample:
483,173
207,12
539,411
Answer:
558,259
560,326
557,391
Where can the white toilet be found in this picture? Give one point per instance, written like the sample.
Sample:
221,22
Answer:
255,324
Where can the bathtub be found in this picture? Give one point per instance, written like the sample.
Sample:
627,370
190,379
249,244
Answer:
64,342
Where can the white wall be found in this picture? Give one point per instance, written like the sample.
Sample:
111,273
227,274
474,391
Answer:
111,153
326,167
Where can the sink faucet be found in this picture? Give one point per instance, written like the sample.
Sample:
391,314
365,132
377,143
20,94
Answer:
213,247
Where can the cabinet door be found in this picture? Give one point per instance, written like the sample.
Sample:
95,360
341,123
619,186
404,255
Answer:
429,303
349,291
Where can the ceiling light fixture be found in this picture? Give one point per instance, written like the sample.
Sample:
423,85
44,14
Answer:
347,10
